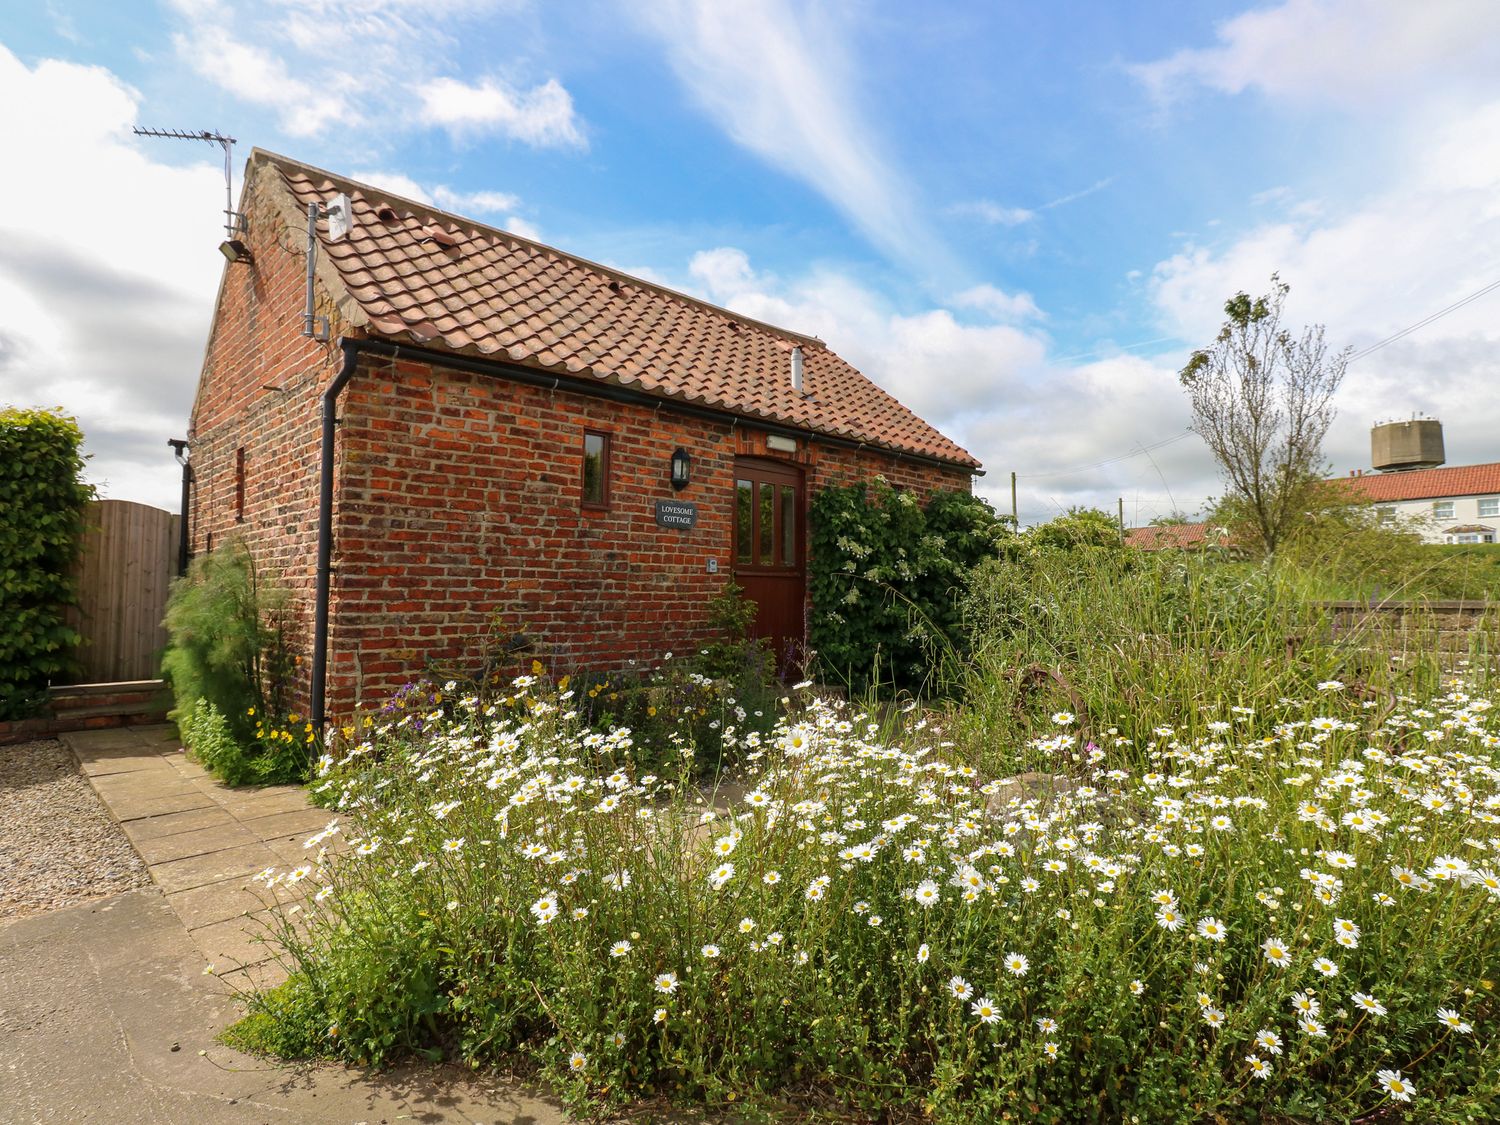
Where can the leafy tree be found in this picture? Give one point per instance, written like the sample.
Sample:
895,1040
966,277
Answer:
1262,398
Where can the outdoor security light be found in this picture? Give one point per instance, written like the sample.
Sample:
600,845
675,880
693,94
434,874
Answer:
682,466
234,250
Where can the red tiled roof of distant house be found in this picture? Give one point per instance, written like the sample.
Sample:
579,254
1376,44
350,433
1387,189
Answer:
1186,536
419,275
1425,484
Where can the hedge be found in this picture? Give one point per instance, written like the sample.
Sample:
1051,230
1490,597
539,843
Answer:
42,504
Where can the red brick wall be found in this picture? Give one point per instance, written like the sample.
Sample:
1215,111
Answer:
458,495
461,503
259,391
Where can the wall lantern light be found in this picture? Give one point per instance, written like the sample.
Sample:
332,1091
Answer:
234,250
682,466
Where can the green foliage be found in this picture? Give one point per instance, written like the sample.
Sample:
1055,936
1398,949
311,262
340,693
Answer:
1345,551
885,576
42,506
1079,528
227,648
690,709
271,754
1133,640
852,923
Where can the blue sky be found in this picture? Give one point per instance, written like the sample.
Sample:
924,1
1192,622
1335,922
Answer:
1019,218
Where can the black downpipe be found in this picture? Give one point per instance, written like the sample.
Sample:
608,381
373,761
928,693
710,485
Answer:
182,520
350,348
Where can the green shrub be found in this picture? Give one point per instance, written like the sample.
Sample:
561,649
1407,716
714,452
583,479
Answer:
691,708
42,506
886,575
230,670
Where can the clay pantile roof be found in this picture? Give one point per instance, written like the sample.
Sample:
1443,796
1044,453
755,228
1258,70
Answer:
422,276
1185,536
1425,484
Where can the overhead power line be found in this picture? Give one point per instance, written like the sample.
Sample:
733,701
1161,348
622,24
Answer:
1425,321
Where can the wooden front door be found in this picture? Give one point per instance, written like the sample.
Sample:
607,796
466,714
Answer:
770,555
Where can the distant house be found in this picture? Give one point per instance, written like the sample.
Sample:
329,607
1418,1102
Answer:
1176,536
434,431
1453,504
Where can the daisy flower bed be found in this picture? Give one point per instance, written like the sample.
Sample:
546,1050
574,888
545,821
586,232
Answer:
1286,917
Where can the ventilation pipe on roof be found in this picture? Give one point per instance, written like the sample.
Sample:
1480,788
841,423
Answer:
797,368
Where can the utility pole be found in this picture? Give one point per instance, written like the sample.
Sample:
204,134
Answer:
1122,519
1014,518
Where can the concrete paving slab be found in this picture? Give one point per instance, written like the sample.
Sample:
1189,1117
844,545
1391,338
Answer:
248,805
163,782
184,765
86,742
126,809
237,942
107,1017
183,845
125,759
218,902
301,822
216,867
169,824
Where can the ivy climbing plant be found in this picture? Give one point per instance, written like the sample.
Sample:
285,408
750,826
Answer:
886,575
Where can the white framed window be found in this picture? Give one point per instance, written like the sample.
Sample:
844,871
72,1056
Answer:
1442,509
1385,513
1489,506
1471,537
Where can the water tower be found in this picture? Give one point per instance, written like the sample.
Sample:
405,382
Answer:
1413,444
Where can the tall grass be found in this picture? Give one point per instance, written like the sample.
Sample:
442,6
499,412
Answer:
1133,641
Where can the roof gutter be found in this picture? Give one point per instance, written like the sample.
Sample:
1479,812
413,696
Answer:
614,393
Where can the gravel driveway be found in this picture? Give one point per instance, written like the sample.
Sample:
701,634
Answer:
58,845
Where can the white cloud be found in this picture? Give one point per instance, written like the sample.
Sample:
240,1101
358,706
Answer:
441,196
108,270
996,214
255,75
1419,243
993,388
775,78
1356,53
997,303
542,116
326,64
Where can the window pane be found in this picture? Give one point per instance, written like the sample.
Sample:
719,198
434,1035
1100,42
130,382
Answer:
767,553
1490,507
788,525
743,511
594,469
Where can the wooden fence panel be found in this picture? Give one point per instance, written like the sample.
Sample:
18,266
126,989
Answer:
128,562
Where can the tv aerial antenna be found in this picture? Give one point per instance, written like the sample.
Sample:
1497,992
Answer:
234,222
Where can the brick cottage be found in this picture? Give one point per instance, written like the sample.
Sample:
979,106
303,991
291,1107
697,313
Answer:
437,425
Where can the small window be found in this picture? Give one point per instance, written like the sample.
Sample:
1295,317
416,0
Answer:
239,485
595,469
1385,514
1442,509
1489,506
744,522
